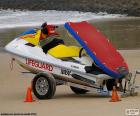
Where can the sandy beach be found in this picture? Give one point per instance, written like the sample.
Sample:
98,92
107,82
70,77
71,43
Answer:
13,87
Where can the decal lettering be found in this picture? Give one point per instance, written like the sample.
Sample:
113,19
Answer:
74,66
65,72
38,64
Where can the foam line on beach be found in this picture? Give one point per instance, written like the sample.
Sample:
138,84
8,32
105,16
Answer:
11,19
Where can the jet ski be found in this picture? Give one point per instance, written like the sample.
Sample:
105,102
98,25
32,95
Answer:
95,66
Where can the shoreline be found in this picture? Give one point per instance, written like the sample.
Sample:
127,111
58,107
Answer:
96,20
123,32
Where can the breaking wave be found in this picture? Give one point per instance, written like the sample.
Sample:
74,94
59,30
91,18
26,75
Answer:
11,18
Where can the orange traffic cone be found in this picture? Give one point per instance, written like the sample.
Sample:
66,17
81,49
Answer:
115,96
29,97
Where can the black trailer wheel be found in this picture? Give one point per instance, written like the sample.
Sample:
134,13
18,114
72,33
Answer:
44,86
78,90
110,83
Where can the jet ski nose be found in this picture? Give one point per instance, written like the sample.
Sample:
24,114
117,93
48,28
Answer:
12,46
7,47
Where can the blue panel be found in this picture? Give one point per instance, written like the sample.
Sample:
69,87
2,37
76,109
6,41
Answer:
29,31
89,52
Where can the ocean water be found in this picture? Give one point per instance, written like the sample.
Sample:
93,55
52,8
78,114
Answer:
12,19
122,31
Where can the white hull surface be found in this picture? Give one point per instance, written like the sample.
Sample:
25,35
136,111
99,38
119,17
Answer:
34,60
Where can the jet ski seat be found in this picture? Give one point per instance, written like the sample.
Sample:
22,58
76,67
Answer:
63,51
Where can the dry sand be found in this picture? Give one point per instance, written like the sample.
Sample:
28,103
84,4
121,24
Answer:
65,103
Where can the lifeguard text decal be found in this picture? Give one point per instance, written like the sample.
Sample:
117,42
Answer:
38,64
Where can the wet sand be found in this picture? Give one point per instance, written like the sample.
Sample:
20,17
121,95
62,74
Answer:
65,103
123,32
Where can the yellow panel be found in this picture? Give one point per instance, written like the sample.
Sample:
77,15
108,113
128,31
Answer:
32,38
62,51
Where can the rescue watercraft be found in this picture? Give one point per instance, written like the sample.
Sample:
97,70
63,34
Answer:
96,66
